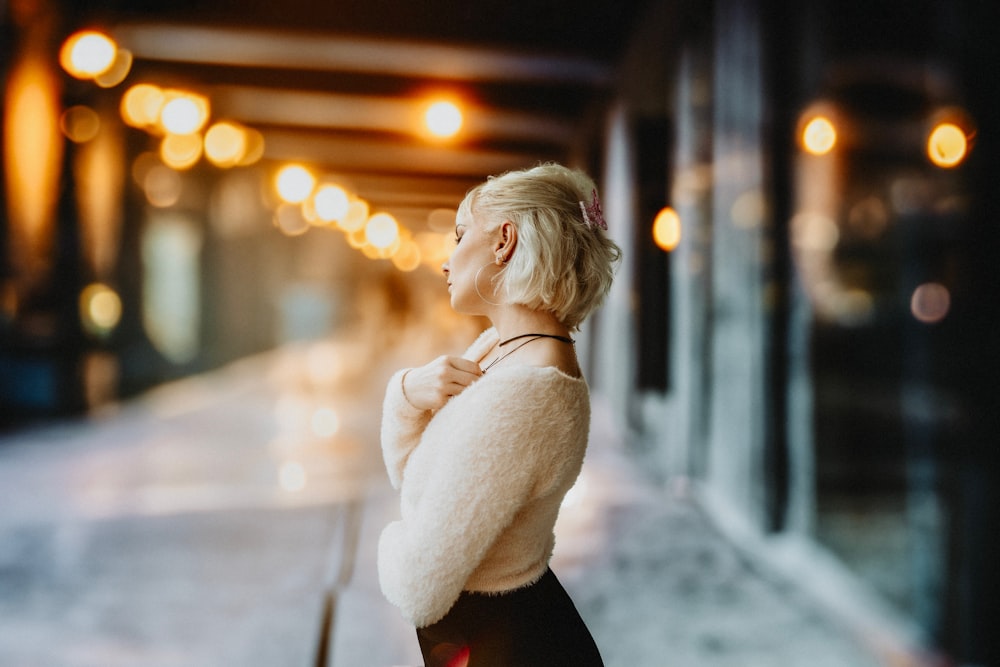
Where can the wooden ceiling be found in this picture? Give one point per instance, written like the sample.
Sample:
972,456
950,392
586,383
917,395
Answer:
339,84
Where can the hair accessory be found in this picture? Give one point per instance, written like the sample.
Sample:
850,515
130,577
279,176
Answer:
592,214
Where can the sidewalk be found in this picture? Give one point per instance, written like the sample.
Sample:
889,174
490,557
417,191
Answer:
231,519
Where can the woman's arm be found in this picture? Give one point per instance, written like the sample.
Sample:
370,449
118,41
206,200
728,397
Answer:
411,398
485,468
402,426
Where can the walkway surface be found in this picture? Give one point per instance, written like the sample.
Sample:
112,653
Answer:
231,519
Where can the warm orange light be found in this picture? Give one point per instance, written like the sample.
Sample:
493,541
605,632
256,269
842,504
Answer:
99,173
289,219
180,151
141,105
162,185
294,183
80,124
116,73
819,136
435,247
184,113
331,203
667,229
255,147
443,119
947,145
357,215
86,54
357,239
100,308
382,230
225,144
408,257
32,159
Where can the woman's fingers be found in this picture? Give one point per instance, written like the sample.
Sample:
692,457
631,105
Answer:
465,372
430,386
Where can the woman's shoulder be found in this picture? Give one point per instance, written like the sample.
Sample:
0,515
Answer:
534,384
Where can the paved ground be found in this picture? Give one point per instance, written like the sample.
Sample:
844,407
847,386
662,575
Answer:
231,519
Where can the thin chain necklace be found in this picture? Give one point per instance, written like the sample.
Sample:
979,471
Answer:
531,337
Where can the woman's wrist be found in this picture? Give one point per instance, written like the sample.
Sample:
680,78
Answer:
402,388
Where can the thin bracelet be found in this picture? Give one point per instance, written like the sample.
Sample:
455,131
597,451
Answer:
402,388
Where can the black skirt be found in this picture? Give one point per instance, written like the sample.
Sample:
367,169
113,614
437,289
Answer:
535,626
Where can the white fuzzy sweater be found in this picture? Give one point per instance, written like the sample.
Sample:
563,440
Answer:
481,481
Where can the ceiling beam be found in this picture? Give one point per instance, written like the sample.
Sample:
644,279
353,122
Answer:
269,106
376,156
348,53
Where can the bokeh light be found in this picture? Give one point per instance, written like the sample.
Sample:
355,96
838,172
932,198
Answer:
930,302
118,71
294,183
435,247
382,230
100,309
184,113
325,422
87,53
181,151
225,144
815,232
162,186
80,124
357,238
947,145
357,215
408,257
819,135
443,119
749,209
331,203
141,105
667,229
289,219
254,147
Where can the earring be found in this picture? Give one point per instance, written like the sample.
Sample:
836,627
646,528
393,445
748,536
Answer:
475,283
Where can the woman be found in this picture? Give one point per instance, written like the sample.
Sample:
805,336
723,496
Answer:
484,447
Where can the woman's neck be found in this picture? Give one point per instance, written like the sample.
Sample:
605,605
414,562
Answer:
518,320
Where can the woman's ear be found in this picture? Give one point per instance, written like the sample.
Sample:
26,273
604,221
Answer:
506,241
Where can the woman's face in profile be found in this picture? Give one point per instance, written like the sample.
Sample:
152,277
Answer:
472,252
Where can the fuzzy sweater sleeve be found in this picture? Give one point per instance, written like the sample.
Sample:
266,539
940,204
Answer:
402,426
479,464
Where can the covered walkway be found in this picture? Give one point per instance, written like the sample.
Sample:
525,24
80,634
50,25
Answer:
231,519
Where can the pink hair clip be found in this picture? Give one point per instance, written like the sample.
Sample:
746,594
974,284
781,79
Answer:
592,214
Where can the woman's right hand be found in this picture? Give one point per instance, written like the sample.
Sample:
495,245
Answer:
430,386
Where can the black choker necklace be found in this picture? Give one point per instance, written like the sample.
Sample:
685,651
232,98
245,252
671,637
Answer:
563,339
530,337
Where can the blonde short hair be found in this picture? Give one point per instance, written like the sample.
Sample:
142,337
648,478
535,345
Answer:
563,263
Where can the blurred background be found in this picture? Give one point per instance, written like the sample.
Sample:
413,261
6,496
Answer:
804,191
